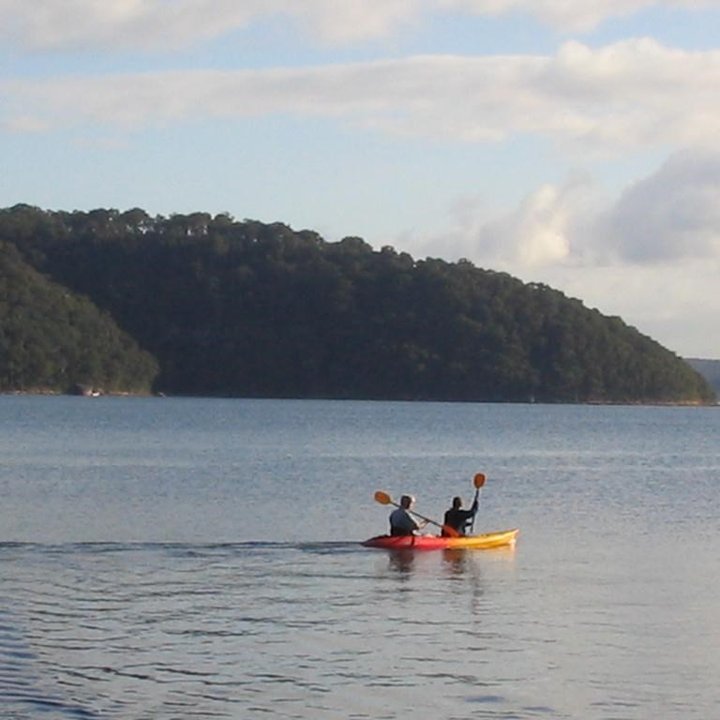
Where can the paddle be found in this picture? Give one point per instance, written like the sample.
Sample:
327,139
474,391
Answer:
478,482
384,499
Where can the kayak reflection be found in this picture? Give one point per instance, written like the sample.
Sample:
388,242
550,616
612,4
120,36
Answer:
456,560
405,560
401,560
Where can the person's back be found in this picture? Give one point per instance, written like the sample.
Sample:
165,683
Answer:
401,521
457,518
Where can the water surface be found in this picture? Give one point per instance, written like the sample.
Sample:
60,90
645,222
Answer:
168,558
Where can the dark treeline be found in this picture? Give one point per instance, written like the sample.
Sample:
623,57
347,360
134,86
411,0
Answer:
231,308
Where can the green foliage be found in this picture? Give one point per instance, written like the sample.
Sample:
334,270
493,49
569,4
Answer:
54,340
251,309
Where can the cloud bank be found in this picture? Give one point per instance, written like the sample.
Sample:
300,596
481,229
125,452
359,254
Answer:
631,94
158,25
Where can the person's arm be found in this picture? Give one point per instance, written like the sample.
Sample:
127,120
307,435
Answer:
474,506
419,524
410,522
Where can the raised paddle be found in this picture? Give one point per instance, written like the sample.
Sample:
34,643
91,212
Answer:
384,499
478,482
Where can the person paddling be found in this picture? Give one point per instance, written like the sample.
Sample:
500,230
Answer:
401,521
457,518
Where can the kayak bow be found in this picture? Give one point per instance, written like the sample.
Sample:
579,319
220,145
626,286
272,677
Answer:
486,541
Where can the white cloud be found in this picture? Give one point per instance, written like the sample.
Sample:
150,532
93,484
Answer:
540,232
160,25
577,16
537,233
670,217
353,20
119,24
21,124
627,95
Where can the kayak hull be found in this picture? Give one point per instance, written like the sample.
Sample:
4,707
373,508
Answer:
486,541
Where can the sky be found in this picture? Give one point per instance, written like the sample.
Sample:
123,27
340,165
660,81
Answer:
575,144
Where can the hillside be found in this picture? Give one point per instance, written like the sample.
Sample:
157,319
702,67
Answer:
249,309
709,369
52,340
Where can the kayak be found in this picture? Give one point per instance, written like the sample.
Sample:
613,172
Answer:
486,541
502,538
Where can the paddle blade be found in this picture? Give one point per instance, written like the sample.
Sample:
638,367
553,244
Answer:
383,498
479,480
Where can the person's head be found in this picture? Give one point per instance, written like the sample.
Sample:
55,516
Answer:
406,501
457,503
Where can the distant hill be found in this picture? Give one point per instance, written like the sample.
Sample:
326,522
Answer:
249,309
709,369
54,340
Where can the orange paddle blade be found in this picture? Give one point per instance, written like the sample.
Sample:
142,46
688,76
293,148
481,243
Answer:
479,480
383,498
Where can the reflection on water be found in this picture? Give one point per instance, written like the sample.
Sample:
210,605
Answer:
456,560
435,575
401,560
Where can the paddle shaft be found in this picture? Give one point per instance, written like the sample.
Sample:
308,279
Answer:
472,522
478,482
422,517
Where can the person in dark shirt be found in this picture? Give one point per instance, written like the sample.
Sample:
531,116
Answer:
457,518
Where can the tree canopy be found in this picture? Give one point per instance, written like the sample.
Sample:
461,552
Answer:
244,308
52,339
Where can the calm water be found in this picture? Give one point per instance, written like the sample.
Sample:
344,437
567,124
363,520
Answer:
168,559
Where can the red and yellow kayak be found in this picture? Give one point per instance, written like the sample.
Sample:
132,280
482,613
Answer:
486,541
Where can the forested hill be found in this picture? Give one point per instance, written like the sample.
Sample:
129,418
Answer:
233,308
54,340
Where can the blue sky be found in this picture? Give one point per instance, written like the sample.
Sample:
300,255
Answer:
575,144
